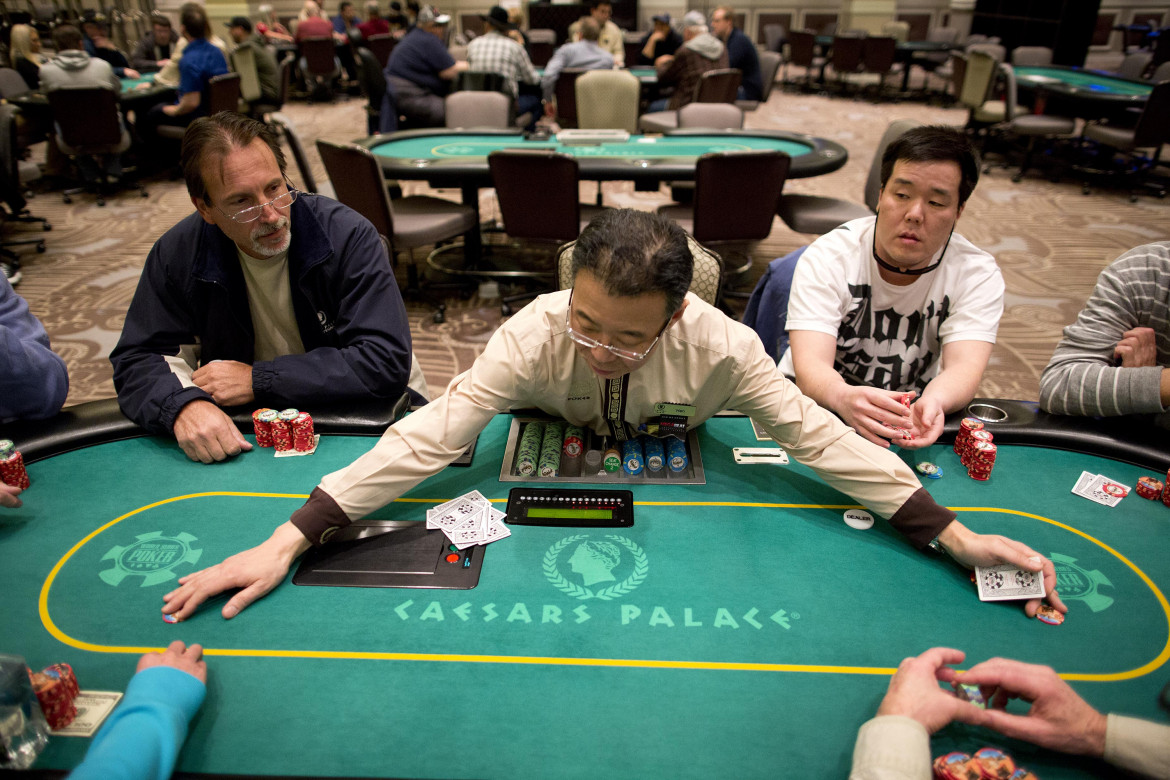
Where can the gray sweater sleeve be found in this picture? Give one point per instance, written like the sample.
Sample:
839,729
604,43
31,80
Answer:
1083,378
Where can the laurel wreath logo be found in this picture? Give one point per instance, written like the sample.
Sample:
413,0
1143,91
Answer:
562,583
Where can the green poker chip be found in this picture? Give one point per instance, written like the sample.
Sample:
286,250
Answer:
930,470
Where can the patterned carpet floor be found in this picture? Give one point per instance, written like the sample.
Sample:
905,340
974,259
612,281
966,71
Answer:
1050,240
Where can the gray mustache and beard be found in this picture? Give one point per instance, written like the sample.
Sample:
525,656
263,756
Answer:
263,229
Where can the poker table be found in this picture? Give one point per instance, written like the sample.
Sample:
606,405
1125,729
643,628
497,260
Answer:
458,158
744,628
138,94
1080,93
646,74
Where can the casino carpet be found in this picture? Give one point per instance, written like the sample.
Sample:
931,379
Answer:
1050,241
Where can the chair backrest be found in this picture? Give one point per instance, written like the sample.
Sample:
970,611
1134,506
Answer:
87,118
608,99
1007,76
770,63
980,74
995,50
550,211
1037,56
802,47
1153,126
286,69
775,36
736,194
381,45
1161,73
542,43
319,54
1132,67
767,309
480,81
958,62
943,35
12,84
898,30
706,277
878,54
294,145
566,96
873,182
223,93
358,183
477,109
846,57
715,116
718,86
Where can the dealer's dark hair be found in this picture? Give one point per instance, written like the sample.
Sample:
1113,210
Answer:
219,136
634,253
935,143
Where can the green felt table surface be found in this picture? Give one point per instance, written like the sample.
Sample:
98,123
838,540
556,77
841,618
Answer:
128,84
1081,81
639,147
644,72
746,627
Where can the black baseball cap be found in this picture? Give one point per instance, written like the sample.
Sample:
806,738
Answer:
240,21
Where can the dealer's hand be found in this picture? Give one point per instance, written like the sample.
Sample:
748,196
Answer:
257,571
1059,719
972,549
915,693
229,382
206,434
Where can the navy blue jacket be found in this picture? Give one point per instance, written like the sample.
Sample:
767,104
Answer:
742,54
347,305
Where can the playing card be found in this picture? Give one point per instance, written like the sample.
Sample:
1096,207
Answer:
493,530
92,709
1100,488
457,512
1005,583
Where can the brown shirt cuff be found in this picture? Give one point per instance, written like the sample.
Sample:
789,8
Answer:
920,519
321,517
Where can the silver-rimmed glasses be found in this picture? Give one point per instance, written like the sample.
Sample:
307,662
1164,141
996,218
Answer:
244,216
590,343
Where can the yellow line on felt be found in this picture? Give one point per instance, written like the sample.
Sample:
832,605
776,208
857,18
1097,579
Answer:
43,608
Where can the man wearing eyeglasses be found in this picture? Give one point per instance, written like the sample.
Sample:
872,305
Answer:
263,297
626,337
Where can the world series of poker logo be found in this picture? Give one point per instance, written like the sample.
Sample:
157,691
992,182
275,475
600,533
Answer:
152,556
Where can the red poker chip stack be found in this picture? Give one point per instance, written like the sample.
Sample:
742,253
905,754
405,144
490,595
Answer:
262,425
304,438
1166,493
966,427
1151,488
981,461
282,437
12,470
56,690
973,439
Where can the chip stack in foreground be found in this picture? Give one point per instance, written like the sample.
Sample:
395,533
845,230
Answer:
981,460
12,470
56,690
304,437
1148,487
282,435
987,763
262,425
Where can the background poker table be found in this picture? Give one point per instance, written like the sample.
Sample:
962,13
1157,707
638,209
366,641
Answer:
458,158
646,74
1077,92
747,628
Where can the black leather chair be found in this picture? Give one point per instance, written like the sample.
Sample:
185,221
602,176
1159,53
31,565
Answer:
89,125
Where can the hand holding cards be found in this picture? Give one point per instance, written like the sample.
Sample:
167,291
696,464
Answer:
1006,582
468,520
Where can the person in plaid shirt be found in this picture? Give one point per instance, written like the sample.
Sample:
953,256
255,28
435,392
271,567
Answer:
495,52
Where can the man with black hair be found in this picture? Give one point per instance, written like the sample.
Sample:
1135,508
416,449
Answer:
264,296
627,335
610,36
156,47
259,73
98,44
898,303
741,52
659,42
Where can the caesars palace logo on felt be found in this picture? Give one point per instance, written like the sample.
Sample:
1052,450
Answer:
590,569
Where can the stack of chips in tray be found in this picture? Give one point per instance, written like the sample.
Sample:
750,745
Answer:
56,690
12,470
553,441
528,452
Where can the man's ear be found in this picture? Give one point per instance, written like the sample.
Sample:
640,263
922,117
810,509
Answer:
678,314
204,210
